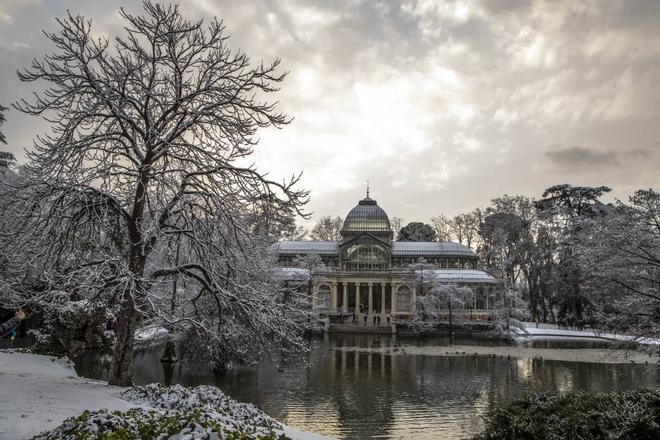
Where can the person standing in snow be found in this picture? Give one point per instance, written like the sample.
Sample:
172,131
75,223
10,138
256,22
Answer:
7,327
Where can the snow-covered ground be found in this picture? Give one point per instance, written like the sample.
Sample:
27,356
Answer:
39,392
150,332
552,331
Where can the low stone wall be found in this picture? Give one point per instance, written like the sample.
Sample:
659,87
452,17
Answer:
366,329
464,328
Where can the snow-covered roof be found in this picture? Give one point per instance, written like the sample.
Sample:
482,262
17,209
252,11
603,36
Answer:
307,247
430,248
460,276
399,248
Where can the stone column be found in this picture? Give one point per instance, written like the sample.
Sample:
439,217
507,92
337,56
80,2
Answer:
357,299
315,295
333,296
371,298
382,297
393,298
413,301
344,307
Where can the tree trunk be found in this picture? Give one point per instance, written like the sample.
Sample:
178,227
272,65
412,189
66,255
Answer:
451,321
121,368
544,308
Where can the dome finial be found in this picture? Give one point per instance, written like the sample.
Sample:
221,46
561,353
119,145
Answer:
367,187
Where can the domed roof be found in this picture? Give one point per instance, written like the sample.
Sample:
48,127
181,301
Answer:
367,216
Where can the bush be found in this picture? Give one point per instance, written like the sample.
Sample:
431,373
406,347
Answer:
200,413
149,424
633,415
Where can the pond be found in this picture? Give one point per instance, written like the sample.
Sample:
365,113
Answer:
356,395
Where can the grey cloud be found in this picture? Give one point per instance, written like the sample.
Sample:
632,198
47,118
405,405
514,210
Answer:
589,156
506,76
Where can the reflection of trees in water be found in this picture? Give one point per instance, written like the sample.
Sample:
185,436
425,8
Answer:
365,395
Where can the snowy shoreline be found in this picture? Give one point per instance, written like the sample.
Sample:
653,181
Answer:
553,331
40,392
600,356
544,331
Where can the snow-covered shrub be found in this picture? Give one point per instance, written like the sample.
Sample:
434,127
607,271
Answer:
510,310
148,424
176,412
630,415
234,415
68,326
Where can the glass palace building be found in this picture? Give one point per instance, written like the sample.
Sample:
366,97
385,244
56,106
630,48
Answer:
368,272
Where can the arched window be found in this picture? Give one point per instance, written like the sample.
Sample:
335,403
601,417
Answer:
403,299
365,256
324,295
481,298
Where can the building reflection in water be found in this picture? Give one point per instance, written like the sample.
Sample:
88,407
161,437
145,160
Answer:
351,394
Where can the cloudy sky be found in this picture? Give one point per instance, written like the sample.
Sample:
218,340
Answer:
441,105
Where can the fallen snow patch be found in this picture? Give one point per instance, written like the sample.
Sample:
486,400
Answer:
43,393
150,333
551,331
40,392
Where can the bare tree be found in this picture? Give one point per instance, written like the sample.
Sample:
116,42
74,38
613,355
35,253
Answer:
397,224
443,296
7,161
274,224
418,268
510,310
459,228
3,139
149,136
442,227
473,220
327,228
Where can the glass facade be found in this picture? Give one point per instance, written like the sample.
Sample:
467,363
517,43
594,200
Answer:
324,295
365,256
403,295
367,216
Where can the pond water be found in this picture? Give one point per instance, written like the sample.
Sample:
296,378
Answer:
356,395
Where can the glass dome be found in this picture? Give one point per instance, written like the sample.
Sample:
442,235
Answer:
367,216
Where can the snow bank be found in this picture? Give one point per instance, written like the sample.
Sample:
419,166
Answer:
551,330
41,393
